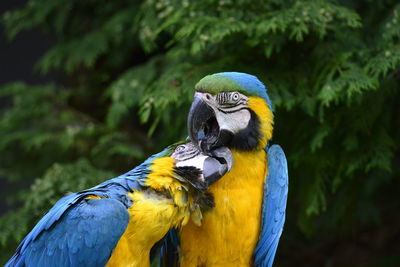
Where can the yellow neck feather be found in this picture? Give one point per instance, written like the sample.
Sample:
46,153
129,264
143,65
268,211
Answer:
266,118
162,178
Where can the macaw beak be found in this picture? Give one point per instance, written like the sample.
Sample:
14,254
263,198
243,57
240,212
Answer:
200,112
216,166
203,127
213,167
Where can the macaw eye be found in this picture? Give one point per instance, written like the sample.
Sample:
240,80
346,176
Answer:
180,148
235,96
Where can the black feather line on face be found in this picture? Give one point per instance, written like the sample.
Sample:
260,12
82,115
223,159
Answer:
248,138
206,201
192,175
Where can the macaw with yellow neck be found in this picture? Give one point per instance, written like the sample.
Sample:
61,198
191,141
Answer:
118,222
233,109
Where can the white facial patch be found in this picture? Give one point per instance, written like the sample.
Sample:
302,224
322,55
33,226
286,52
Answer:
234,122
197,162
230,110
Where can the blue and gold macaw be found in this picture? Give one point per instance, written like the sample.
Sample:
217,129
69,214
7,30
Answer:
117,222
233,109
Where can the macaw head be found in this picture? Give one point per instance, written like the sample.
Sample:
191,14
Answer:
230,109
198,169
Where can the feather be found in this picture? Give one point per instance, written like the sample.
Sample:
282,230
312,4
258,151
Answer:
274,206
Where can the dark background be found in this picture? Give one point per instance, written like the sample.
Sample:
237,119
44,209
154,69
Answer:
17,60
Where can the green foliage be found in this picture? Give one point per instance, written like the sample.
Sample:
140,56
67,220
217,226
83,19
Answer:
332,69
45,192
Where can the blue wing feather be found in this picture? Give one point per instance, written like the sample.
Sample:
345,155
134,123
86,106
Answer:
274,207
169,251
75,232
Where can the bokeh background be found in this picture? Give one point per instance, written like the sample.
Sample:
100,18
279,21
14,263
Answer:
91,88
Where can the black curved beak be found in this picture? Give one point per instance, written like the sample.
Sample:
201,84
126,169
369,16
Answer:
200,112
215,167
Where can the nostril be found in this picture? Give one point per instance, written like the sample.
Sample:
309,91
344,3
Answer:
208,96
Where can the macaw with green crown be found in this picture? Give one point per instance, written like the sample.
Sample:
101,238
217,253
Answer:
233,109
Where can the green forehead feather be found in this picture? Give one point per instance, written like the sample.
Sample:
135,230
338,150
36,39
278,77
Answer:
215,84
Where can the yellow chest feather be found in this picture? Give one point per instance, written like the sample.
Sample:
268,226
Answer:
229,233
151,216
